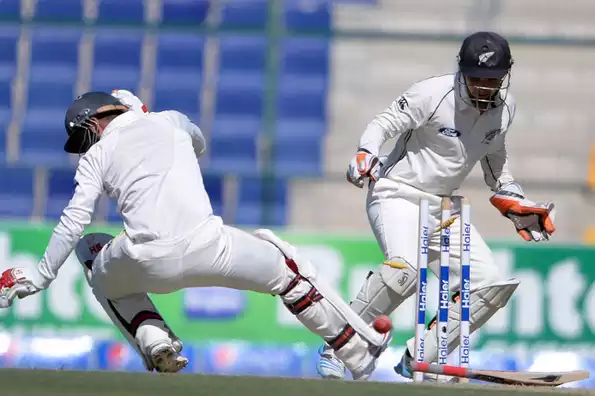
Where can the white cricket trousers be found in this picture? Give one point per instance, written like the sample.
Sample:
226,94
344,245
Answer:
393,213
216,255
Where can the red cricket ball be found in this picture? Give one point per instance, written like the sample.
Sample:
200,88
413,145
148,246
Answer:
383,324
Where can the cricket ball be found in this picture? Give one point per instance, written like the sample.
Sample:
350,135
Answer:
382,324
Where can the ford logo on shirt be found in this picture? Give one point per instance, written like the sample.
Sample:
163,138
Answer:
450,132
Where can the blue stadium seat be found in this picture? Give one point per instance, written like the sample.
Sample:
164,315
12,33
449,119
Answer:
60,189
298,155
65,10
117,60
180,51
121,47
8,46
55,46
301,15
240,94
38,149
5,118
214,187
242,53
43,137
16,192
5,93
112,216
235,154
245,14
308,56
5,115
184,11
186,101
308,128
106,79
56,94
121,11
8,53
237,126
302,97
261,203
10,9
2,147
240,102
178,80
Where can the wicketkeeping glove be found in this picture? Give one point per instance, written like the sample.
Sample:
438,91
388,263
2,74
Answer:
364,164
16,282
533,221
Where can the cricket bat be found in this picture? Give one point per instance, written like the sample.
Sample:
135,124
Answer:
523,378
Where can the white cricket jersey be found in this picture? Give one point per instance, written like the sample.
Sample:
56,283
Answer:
148,164
440,137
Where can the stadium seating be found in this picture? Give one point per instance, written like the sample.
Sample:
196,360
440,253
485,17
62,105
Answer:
214,186
117,59
184,11
110,11
233,154
242,53
55,46
10,9
261,202
125,57
4,122
5,94
240,14
179,79
43,137
60,189
58,10
8,55
304,15
16,192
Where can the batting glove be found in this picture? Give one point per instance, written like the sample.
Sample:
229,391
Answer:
364,164
533,221
16,282
129,99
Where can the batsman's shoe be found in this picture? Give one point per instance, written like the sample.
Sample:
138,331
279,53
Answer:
164,358
176,342
367,368
178,346
329,366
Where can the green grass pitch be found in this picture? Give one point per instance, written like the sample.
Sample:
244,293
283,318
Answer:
89,383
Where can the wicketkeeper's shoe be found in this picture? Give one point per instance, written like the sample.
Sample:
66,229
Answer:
165,358
404,366
329,366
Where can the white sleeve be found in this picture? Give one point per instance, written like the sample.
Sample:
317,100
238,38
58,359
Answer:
495,167
495,163
183,122
77,214
409,111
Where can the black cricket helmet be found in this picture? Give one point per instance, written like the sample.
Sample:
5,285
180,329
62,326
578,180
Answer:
486,55
80,123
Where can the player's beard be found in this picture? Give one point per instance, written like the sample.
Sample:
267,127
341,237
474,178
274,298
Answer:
483,102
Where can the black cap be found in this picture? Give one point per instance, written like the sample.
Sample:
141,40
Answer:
84,107
485,55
